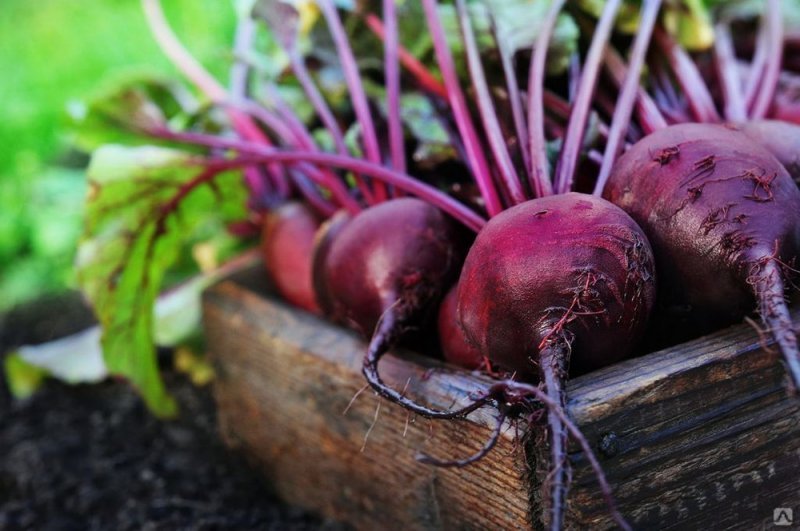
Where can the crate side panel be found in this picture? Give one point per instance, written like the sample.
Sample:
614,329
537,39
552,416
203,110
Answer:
285,380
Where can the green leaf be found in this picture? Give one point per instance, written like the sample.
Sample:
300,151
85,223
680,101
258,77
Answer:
691,25
124,106
420,121
22,378
143,204
518,23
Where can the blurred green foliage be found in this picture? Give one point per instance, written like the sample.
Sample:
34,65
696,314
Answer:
53,54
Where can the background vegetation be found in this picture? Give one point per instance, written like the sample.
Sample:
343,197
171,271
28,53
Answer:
53,55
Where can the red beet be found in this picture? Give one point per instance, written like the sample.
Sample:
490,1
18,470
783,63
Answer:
455,347
287,243
722,215
323,240
383,274
560,281
780,138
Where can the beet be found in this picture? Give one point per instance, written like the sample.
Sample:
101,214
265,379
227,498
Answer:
557,283
780,138
323,240
722,215
287,243
455,347
383,274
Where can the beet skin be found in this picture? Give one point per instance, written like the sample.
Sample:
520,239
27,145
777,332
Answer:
722,215
287,244
455,347
557,281
568,264
384,273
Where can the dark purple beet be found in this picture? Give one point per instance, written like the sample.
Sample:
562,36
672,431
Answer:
385,272
323,240
722,215
780,138
557,281
287,243
455,347
571,265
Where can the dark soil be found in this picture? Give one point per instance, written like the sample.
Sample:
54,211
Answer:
92,457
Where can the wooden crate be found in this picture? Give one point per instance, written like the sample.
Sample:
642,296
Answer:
699,436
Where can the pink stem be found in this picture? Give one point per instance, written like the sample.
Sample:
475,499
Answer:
460,110
292,135
576,129
689,78
650,118
574,76
769,83
630,89
758,63
325,114
540,173
505,167
424,78
357,95
514,98
392,75
258,153
728,74
194,71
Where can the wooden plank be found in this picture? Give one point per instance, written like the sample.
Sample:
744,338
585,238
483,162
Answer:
697,436
284,380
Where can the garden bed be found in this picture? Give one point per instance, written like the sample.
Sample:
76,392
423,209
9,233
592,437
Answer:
93,457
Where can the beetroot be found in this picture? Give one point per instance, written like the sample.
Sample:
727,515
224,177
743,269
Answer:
722,215
455,347
780,138
383,274
323,240
557,283
287,242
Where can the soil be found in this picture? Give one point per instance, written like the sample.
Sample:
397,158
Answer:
92,457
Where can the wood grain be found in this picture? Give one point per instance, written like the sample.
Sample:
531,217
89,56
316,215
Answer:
700,436
284,381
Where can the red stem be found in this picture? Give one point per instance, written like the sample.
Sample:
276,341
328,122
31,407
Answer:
514,98
460,110
769,82
392,76
576,129
505,167
325,114
194,71
728,74
689,78
258,153
540,173
358,97
294,136
647,113
628,95
758,64
418,71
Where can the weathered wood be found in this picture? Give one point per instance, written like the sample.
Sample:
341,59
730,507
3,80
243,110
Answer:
699,436
284,381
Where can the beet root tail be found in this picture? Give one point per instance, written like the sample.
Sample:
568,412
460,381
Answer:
385,337
552,367
769,289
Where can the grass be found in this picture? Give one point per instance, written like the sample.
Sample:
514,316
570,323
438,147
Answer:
54,52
